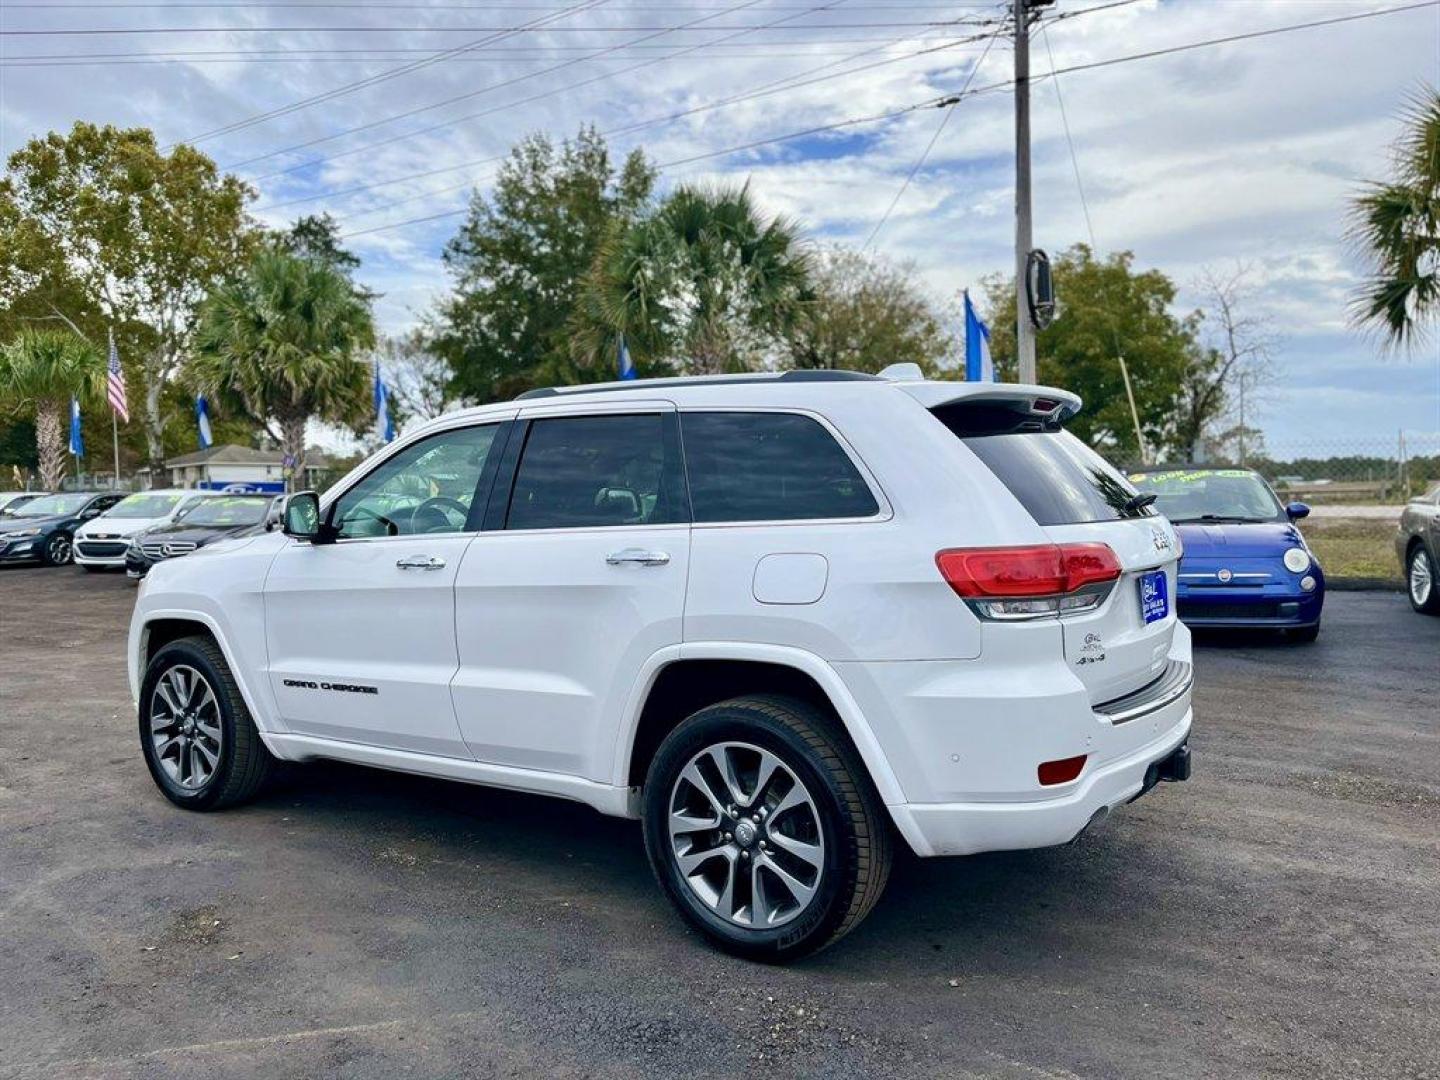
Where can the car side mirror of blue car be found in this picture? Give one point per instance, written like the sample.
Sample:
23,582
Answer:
1297,510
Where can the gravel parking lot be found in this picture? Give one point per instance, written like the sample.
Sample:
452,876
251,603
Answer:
1277,915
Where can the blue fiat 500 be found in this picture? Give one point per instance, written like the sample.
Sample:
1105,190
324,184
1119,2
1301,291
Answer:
1245,563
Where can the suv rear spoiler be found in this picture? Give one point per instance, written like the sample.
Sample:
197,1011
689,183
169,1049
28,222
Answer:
1042,401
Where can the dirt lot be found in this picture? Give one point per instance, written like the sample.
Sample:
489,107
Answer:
1278,915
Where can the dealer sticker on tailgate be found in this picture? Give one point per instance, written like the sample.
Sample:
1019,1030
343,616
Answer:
1154,597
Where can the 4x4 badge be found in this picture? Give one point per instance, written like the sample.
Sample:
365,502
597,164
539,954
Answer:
1160,538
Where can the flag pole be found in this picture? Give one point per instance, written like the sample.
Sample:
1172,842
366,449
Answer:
115,434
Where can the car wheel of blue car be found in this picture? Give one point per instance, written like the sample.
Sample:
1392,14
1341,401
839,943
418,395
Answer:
57,550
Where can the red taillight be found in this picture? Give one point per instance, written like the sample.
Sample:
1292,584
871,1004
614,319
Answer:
1062,771
1035,570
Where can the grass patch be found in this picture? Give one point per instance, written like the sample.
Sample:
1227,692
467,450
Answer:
1354,547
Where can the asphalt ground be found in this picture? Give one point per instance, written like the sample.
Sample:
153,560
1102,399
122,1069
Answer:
1278,915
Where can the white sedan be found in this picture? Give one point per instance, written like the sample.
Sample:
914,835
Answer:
101,543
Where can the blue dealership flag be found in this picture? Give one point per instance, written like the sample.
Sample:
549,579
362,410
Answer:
77,441
383,423
627,366
202,421
978,367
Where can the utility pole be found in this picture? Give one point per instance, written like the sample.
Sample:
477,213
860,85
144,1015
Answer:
1024,328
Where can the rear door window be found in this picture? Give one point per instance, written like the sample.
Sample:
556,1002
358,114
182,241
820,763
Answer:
579,472
762,466
1054,475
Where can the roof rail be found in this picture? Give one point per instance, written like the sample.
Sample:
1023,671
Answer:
800,375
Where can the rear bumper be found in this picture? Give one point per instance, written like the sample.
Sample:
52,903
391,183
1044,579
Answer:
969,828
965,741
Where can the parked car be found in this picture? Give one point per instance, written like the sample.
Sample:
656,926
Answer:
218,517
11,501
1418,545
783,619
101,544
43,530
1245,563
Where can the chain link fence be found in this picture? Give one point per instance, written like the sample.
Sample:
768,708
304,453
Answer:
1361,471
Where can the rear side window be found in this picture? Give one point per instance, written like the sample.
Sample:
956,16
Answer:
769,467
1054,475
590,471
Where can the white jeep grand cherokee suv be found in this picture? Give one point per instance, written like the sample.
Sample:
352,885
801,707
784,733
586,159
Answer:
783,619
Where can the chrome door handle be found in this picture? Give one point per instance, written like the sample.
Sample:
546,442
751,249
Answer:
638,556
421,562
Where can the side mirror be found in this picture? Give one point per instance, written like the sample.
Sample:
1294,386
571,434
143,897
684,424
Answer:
1297,510
302,516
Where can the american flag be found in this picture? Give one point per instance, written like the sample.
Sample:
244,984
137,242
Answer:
115,384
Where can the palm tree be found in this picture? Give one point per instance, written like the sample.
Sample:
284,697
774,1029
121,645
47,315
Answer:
706,284
40,371
1397,224
281,343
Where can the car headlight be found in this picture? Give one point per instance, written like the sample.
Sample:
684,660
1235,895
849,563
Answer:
1297,560
19,534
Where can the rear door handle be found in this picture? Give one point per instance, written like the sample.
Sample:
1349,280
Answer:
638,556
421,562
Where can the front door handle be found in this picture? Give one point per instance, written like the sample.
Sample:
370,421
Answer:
638,556
421,562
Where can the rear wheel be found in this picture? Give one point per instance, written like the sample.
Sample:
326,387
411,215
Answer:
57,550
1422,582
763,829
200,744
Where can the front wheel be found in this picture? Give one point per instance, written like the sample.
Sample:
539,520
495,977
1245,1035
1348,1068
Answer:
200,744
763,829
58,550
1421,583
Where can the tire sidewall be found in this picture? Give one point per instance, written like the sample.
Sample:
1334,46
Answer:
206,795
1431,603
736,723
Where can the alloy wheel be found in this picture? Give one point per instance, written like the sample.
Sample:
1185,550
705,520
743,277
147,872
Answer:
185,727
1421,580
746,835
58,549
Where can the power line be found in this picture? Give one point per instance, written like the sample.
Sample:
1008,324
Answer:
522,78
939,130
949,101
792,83
384,76
366,29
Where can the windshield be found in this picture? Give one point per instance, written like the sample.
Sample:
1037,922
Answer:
228,510
54,504
1212,495
145,505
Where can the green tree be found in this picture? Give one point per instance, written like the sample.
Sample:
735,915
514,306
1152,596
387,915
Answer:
317,236
518,261
282,344
1396,223
864,313
1105,306
101,218
40,371
706,284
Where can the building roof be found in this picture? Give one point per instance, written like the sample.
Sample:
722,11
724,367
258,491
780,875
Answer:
230,454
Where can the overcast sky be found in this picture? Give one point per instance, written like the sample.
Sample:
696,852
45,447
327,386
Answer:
1236,153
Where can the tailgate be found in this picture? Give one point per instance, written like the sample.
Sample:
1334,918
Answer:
1114,650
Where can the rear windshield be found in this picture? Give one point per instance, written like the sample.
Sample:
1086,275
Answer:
1054,475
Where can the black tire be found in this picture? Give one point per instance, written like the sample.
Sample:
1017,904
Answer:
244,763
1305,634
57,550
858,843
1431,604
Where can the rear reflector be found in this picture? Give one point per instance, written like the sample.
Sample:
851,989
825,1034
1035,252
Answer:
1062,771
1033,571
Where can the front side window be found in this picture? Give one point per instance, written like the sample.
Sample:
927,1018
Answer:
581,472
428,487
769,467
